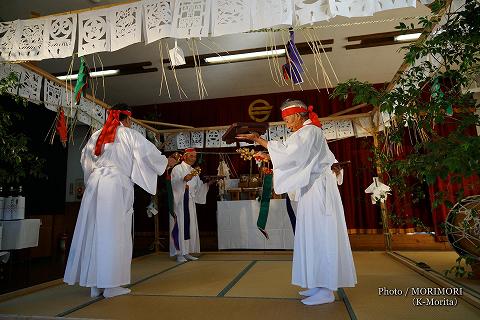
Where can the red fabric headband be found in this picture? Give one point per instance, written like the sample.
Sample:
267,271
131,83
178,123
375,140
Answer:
188,150
297,109
109,129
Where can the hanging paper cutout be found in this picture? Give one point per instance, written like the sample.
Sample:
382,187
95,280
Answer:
30,39
183,140
213,139
329,129
191,18
52,95
170,141
197,139
158,17
271,13
60,35
382,5
354,8
276,132
93,31
125,25
230,16
344,129
30,86
311,11
8,40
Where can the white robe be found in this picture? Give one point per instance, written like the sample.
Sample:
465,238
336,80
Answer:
197,194
322,256
101,251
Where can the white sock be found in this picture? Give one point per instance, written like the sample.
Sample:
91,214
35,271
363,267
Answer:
117,291
181,258
309,292
189,257
322,296
95,292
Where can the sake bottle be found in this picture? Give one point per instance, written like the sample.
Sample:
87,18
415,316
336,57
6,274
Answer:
9,205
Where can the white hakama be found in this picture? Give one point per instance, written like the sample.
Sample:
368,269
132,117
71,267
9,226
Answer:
197,194
322,256
101,251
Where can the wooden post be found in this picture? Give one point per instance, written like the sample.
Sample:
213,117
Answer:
383,206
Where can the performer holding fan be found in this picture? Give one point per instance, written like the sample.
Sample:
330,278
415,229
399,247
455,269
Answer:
322,257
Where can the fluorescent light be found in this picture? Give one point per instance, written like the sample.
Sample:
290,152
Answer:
93,74
245,56
407,37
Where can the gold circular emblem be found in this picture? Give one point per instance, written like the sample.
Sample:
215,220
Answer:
259,110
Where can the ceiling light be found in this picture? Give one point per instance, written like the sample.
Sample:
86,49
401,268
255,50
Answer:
407,37
93,74
245,56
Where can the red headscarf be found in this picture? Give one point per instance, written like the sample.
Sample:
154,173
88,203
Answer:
109,129
299,109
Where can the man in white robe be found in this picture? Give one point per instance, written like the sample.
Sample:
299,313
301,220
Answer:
187,187
113,160
302,165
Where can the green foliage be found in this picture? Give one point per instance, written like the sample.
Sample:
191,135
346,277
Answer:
429,94
459,270
16,161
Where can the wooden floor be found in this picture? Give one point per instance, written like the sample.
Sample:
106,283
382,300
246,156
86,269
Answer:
237,285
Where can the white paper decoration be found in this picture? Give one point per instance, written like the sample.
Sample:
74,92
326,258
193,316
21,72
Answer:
52,95
197,139
93,31
30,39
310,11
96,125
170,140
139,128
363,127
8,40
213,139
158,15
329,129
276,132
354,8
60,35
381,5
98,113
125,25
230,16
191,18
30,86
344,129
183,140
271,13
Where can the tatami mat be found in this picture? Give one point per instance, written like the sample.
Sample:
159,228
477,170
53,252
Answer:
376,270
273,256
196,278
155,307
263,281
240,285
441,261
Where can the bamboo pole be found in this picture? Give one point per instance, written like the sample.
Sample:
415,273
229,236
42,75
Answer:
166,124
383,207
102,104
348,110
